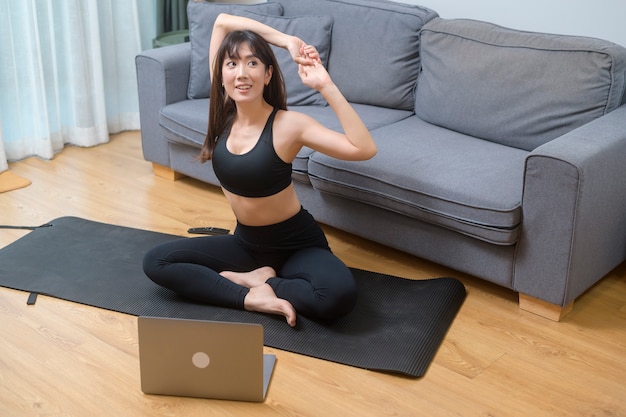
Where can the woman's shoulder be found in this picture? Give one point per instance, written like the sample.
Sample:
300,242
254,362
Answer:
290,127
293,118
288,124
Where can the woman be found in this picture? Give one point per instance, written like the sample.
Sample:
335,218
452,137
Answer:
278,260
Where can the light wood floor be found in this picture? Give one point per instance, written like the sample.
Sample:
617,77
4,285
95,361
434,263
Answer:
63,359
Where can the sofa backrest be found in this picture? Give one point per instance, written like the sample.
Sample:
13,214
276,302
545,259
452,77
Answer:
521,89
374,51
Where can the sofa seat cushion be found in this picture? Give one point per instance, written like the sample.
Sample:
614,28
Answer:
374,117
185,122
435,175
517,88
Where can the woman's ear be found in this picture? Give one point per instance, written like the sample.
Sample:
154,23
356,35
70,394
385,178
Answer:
268,74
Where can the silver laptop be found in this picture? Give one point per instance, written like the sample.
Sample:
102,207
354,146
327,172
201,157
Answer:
207,359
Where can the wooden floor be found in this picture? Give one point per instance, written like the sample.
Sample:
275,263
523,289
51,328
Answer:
63,359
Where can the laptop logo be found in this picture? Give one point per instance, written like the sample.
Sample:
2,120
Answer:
200,360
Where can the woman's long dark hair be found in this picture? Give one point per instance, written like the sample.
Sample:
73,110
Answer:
222,108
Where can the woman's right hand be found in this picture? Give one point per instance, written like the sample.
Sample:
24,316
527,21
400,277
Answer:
310,52
301,53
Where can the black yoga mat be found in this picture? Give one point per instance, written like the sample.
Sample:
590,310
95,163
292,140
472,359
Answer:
397,325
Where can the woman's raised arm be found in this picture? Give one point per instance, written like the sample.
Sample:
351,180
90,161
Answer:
356,142
226,23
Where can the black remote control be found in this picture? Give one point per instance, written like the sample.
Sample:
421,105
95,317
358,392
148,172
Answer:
208,231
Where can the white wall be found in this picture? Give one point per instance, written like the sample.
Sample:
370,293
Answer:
604,19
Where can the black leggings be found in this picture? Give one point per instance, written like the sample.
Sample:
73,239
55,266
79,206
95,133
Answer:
310,277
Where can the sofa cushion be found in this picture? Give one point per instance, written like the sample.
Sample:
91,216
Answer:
314,30
435,175
373,117
374,57
517,88
201,15
185,123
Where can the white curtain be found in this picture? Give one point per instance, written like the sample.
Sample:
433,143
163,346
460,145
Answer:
67,74
3,157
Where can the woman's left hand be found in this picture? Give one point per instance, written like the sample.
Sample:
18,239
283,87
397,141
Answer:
310,68
314,75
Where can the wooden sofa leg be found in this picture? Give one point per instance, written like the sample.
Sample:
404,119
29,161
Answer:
543,308
166,172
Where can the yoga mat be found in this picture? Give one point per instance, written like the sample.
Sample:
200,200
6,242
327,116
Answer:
397,325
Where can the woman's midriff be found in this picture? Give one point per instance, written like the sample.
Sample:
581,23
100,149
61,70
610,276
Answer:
264,211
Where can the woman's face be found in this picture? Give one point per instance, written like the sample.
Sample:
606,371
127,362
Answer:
244,76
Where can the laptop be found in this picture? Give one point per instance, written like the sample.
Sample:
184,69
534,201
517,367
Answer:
205,359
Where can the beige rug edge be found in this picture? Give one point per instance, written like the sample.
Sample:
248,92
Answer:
10,181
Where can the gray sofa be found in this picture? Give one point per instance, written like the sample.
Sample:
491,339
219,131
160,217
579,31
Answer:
502,153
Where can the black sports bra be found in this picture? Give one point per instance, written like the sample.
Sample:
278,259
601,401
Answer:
257,173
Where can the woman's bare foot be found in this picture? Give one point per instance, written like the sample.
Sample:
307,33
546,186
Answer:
250,279
263,299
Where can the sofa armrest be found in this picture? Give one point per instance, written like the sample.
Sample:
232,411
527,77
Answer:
574,211
162,78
